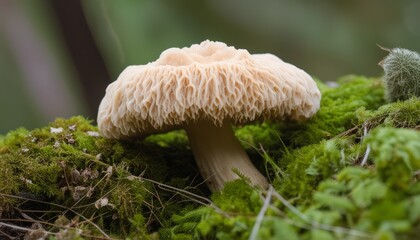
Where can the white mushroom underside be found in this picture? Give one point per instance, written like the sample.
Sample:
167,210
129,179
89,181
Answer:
236,86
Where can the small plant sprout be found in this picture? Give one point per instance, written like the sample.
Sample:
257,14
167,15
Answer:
204,89
401,74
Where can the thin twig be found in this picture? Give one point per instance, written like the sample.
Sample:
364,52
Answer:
365,158
261,214
23,229
347,132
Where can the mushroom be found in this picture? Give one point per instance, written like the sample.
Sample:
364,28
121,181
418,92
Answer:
205,89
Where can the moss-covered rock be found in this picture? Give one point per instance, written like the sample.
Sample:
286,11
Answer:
351,172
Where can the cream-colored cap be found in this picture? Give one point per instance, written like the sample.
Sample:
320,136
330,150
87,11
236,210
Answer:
209,81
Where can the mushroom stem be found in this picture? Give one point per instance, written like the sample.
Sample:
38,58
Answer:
218,152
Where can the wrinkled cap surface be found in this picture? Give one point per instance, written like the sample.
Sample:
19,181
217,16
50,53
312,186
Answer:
207,81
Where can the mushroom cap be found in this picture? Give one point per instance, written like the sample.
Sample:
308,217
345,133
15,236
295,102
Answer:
207,81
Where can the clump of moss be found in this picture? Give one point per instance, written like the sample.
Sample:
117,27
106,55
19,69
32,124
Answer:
396,154
255,135
304,167
381,201
307,166
399,114
337,111
238,196
173,139
85,176
69,164
232,219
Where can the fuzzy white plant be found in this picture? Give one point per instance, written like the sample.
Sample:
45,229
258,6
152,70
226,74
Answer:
401,74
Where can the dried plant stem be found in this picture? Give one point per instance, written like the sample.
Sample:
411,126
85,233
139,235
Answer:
365,158
23,229
261,214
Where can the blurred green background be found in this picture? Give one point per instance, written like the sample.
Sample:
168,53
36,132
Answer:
57,57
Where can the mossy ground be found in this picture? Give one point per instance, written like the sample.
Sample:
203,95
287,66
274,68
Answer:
66,172
350,172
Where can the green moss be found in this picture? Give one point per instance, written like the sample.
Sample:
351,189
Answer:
396,154
324,181
137,189
321,176
258,135
186,224
371,202
404,114
278,228
177,138
337,111
310,164
238,201
67,163
362,200
238,196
